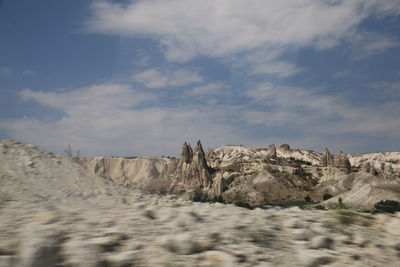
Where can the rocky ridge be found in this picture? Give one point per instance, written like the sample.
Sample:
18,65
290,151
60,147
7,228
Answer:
260,176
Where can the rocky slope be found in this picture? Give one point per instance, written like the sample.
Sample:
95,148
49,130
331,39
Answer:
52,213
263,175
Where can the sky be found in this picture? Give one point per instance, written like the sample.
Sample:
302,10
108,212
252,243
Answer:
140,77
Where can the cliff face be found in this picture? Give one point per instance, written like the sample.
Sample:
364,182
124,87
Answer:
255,176
136,171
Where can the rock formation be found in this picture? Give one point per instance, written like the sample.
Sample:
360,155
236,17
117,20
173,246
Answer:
194,170
187,153
245,174
284,148
271,151
210,154
341,161
327,160
366,167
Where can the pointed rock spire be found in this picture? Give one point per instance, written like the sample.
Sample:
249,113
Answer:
187,153
194,170
199,157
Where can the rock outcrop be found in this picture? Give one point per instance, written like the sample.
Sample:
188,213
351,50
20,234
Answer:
271,151
285,148
210,154
251,175
327,160
194,170
341,161
187,153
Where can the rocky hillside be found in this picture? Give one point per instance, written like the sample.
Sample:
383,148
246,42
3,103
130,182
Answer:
53,213
28,174
259,176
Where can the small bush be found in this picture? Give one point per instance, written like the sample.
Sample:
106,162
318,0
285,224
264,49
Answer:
273,171
243,205
302,204
389,206
319,207
261,237
218,199
198,195
327,196
345,217
307,198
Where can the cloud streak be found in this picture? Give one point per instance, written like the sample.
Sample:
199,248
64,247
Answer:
154,78
189,28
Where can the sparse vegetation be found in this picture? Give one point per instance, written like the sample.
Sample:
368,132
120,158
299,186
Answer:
389,206
319,207
327,196
345,217
243,204
302,204
261,237
307,198
299,171
218,199
69,153
299,162
341,217
198,195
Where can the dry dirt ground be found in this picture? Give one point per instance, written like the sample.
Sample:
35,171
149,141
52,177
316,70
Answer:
52,213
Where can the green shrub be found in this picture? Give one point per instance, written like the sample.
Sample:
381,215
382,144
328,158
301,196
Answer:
198,195
307,198
319,207
243,205
259,236
218,199
345,216
389,206
327,196
302,204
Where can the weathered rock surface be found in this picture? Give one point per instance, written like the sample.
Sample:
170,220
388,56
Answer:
256,176
271,150
327,160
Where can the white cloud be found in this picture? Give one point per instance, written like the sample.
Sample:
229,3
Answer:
97,98
313,112
266,61
116,119
109,119
209,89
365,44
154,78
188,28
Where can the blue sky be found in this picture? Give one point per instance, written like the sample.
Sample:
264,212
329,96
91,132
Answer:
141,77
